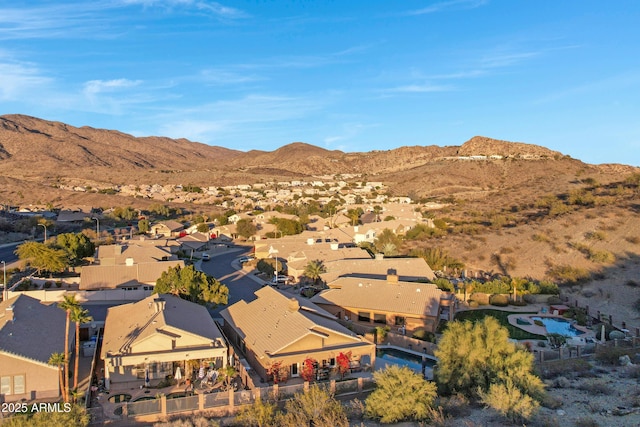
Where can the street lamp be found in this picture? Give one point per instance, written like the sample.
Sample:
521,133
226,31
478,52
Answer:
97,227
45,231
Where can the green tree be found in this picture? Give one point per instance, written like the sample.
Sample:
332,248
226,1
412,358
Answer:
203,227
79,316
354,215
227,374
245,228
57,360
437,258
262,413
315,407
124,213
43,257
473,356
387,237
144,226
314,270
68,304
192,285
400,394
76,245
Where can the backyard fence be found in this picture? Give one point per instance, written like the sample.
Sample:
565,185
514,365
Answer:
226,402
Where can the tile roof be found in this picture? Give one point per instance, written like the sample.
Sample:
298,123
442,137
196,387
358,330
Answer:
118,254
422,299
273,321
408,269
37,330
113,276
131,323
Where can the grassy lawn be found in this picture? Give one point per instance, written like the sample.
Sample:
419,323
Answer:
514,332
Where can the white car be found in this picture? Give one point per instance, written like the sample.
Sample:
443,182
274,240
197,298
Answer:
206,257
244,259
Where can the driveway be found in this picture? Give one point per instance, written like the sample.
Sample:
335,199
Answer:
241,287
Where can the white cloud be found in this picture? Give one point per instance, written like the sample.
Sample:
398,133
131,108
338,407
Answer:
419,88
448,5
214,8
94,87
18,79
221,76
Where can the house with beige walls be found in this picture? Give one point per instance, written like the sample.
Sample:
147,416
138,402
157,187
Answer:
279,329
30,332
388,302
154,336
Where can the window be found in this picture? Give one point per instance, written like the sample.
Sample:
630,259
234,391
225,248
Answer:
5,385
18,384
332,361
380,318
294,370
400,321
363,316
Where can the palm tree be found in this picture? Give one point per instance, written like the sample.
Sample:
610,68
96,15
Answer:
227,373
68,304
57,359
314,269
79,315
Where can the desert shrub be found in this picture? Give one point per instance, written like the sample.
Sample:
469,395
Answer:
540,237
595,387
47,284
562,382
423,335
565,367
632,239
475,304
59,284
551,402
632,283
611,355
633,371
509,401
586,422
499,300
595,235
567,274
456,405
530,299
444,284
604,257
194,421
538,322
482,299
548,288
400,394
473,357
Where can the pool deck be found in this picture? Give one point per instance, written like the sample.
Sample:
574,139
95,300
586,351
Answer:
541,330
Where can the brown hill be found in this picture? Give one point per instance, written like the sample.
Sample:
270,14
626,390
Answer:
42,147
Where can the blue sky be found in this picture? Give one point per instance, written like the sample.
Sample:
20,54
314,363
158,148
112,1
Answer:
348,75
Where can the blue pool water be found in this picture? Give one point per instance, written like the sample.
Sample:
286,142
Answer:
559,326
400,357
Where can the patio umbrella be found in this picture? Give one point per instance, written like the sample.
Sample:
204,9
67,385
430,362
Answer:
178,375
146,378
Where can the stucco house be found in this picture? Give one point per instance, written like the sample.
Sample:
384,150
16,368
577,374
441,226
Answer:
390,302
154,336
30,332
277,329
167,228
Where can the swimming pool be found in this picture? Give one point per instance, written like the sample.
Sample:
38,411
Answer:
401,357
559,326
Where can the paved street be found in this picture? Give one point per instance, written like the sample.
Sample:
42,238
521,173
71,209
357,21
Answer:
240,286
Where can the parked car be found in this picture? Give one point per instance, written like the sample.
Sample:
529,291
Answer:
280,280
206,257
244,259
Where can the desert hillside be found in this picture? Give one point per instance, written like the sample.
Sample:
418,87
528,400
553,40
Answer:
510,207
